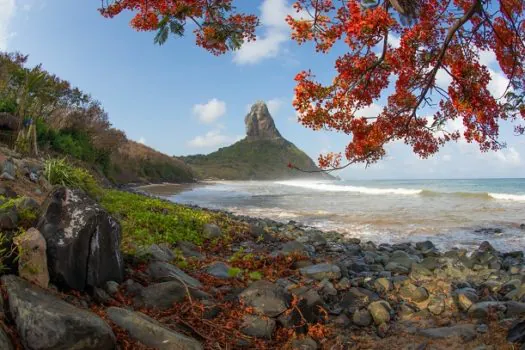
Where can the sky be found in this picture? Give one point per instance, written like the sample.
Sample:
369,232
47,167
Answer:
180,100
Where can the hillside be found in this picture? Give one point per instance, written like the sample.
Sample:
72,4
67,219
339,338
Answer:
133,162
262,155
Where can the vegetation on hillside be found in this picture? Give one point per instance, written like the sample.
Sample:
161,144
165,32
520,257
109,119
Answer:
69,122
252,160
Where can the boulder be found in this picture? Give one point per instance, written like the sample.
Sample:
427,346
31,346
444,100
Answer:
32,258
425,245
362,318
467,332
308,308
150,332
292,247
380,311
162,271
83,241
322,271
259,123
266,298
45,322
258,326
160,253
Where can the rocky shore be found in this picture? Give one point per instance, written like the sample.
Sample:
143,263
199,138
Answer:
252,283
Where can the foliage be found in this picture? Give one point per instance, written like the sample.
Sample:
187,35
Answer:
397,49
219,27
146,221
255,275
252,159
8,105
234,272
60,172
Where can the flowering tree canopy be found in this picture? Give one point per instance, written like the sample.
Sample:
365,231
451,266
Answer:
393,49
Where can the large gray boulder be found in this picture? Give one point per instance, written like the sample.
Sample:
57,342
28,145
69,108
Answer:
163,271
164,295
260,124
321,271
150,332
44,321
83,241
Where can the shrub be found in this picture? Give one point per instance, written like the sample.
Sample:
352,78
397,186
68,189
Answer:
59,172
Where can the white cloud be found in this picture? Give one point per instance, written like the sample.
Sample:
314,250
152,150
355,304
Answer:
211,111
142,140
211,139
274,105
509,156
7,11
370,112
277,32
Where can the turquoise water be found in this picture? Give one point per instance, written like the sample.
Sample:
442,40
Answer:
451,213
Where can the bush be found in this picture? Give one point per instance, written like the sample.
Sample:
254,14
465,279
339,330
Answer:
59,172
8,106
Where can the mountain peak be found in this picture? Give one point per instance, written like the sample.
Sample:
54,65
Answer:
260,124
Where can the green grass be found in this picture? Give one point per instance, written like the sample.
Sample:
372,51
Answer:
148,220
59,172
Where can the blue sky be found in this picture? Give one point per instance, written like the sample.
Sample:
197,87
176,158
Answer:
181,100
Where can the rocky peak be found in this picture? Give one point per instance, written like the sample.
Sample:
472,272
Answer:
260,124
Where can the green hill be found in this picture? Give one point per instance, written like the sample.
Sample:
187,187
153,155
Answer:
263,155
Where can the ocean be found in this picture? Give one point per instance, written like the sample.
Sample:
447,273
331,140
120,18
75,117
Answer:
450,213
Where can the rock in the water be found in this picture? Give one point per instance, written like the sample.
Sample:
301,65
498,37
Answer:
212,231
150,332
258,326
259,123
162,271
83,241
485,308
219,270
380,311
322,271
362,318
46,322
32,258
266,298
465,331
425,245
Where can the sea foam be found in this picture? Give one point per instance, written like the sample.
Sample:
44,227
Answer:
330,187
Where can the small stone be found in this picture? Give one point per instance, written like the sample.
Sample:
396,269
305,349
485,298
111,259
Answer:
465,298
482,328
258,326
412,293
362,318
304,344
212,231
7,176
424,246
219,270
465,331
292,247
383,285
112,287
8,220
159,253
380,311
397,268
420,273
436,305
382,330
322,271
343,284
266,298
515,309
164,295
101,296
162,271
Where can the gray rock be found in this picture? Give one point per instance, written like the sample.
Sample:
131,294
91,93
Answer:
101,296
397,268
383,285
258,326
514,309
164,295
162,271
83,241
150,332
259,123
516,333
465,298
304,344
212,231
465,331
322,271
160,253
420,273
413,293
45,322
308,308
9,168
402,258
27,203
189,250
219,270
431,263
8,220
482,328
5,341
7,176
426,245
112,287
362,318
292,247
483,309
380,311
436,305
266,298
357,298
